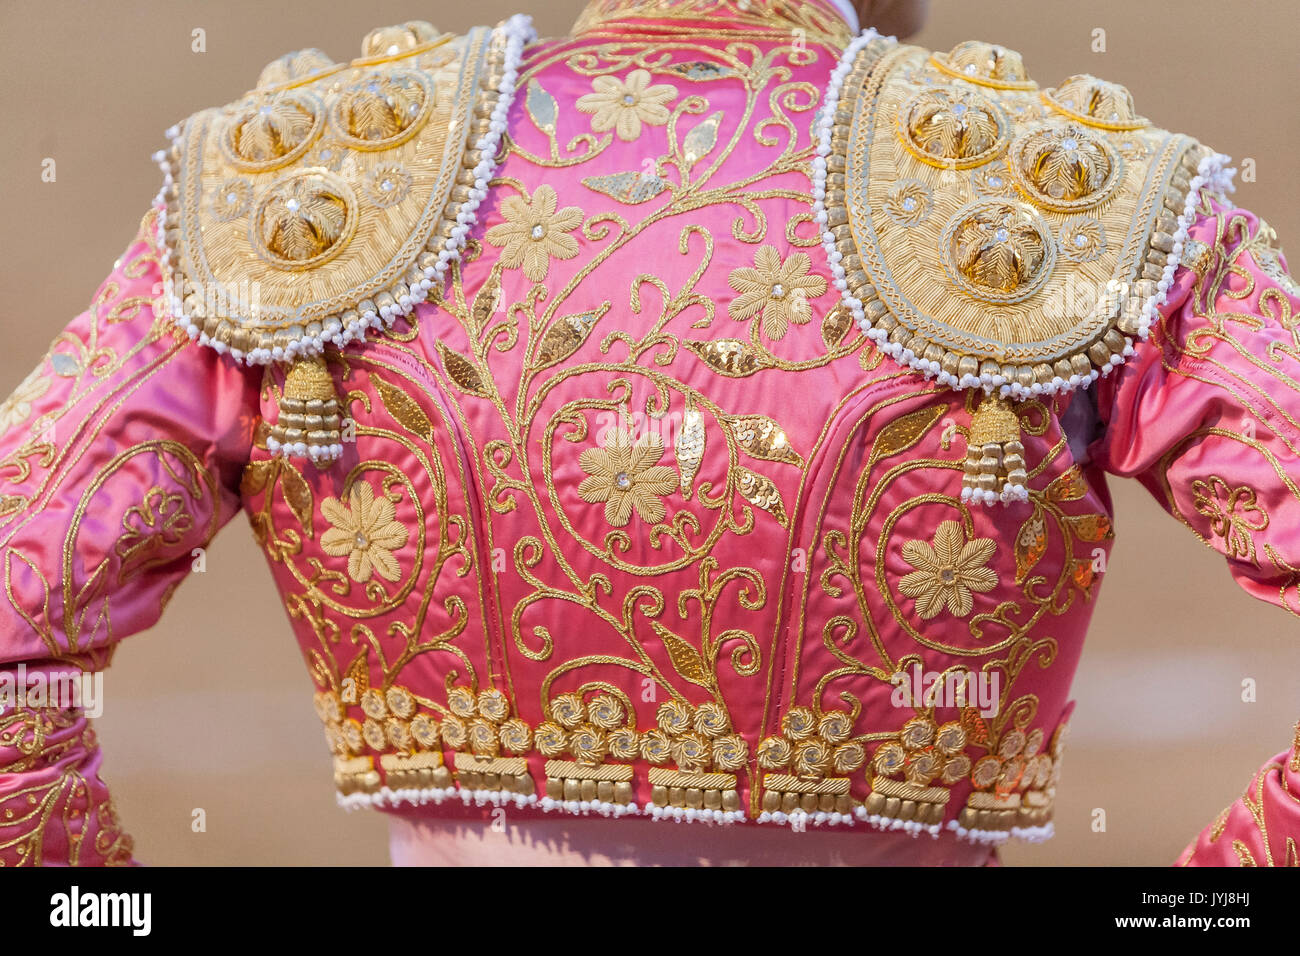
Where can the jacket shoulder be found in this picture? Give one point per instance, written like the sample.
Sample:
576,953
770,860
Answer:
333,195
994,233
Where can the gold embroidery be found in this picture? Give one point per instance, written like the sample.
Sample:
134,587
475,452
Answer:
534,232
17,408
1230,512
947,571
776,291
259,191
365,532
623,105
1000,250
625,477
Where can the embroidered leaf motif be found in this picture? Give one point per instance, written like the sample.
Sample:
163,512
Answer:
1083,575
977,731
404,410
487,301
356,680
701,139
686,659
297,495
630,187
761,492
1090,527
902,433
565,337
699,72
733,358
763,438
541,107
64,365
689,448
1067,486
256,475
836,325
1031,544
463,372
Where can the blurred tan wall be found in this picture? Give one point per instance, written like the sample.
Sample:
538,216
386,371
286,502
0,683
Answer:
212,709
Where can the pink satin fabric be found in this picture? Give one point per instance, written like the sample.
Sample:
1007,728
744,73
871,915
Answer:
126,427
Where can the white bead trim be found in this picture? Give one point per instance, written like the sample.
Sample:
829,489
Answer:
387,797
585,808
518,31
303,450
692,815
1212,173
997,837
802,819
881,822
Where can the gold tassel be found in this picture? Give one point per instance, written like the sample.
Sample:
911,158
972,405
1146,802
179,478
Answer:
995,457
308,423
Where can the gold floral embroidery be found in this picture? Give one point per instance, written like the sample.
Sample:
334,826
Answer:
366,533
624,476
776,290
947,571
1230,512
623,105
534,233
17,408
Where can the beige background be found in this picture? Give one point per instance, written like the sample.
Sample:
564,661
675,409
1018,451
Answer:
212,709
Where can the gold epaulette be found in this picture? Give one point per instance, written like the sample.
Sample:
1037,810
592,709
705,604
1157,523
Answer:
329,199
995,235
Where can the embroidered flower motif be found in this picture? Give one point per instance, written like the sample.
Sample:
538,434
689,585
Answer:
366,533
534,233
947,571
778,291
232,198
17,408
623,105
908,202
388,184
1083,239
1233,512
624,476
992,180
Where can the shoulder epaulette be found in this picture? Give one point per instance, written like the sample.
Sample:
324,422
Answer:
994,235
331,197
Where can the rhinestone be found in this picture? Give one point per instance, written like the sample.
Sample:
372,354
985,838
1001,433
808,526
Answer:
538,231
291,205
623,480
628,99
970,69
909,204
778,291
361,540
1070,143
386,185
958,109
995,182
232,198
1001,235
265,111
1080,241
393,50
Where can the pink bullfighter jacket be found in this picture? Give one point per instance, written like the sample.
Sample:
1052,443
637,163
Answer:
706,417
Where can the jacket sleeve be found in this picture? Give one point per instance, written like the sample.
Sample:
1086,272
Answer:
1206,415
120,457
